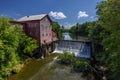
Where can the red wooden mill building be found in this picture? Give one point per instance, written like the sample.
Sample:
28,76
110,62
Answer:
39,27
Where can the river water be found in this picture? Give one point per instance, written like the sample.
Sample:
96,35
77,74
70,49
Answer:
46,69
80,47
68,36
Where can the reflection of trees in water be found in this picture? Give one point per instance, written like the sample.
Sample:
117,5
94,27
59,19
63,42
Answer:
66,36
69,36
77,37
73,36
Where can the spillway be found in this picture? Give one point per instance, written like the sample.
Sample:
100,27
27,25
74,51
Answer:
79,48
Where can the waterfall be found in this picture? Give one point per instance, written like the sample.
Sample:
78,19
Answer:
80,49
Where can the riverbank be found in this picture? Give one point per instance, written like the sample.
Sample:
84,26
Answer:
46,69
30,68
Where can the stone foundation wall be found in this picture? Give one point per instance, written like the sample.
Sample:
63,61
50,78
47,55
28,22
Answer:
45,50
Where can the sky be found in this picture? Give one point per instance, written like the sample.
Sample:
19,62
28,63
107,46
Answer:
65,12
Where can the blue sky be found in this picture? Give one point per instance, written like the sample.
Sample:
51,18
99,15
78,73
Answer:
65,12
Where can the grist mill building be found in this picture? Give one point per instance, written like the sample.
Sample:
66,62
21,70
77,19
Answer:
39,27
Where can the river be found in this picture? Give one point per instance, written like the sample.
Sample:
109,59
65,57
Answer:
46,69
81,46
68,36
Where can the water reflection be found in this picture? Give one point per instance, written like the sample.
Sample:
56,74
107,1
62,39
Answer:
69,36
66,36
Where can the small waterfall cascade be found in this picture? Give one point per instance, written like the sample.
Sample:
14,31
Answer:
80,49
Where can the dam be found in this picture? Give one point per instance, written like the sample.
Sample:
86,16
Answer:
81,48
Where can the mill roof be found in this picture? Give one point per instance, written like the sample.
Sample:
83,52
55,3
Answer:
32,17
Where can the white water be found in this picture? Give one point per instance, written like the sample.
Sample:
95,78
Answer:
78,48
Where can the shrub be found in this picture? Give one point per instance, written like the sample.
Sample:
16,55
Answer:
70,59
80,64
13,43
66,58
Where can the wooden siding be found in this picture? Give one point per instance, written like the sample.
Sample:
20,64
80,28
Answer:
45,30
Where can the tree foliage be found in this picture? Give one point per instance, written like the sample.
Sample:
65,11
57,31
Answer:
13,43
105,33
56,27
79,29
109,17
93,30
77,64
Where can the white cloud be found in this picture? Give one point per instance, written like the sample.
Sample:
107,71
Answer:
82,14
57,15
68,25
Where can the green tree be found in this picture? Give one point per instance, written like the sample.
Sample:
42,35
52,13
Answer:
95,31
109,17
56,27
12,38
80,29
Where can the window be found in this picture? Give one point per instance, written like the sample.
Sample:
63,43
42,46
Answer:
36,32
30,33
30,25
46,34
36,24
42,34
42,27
